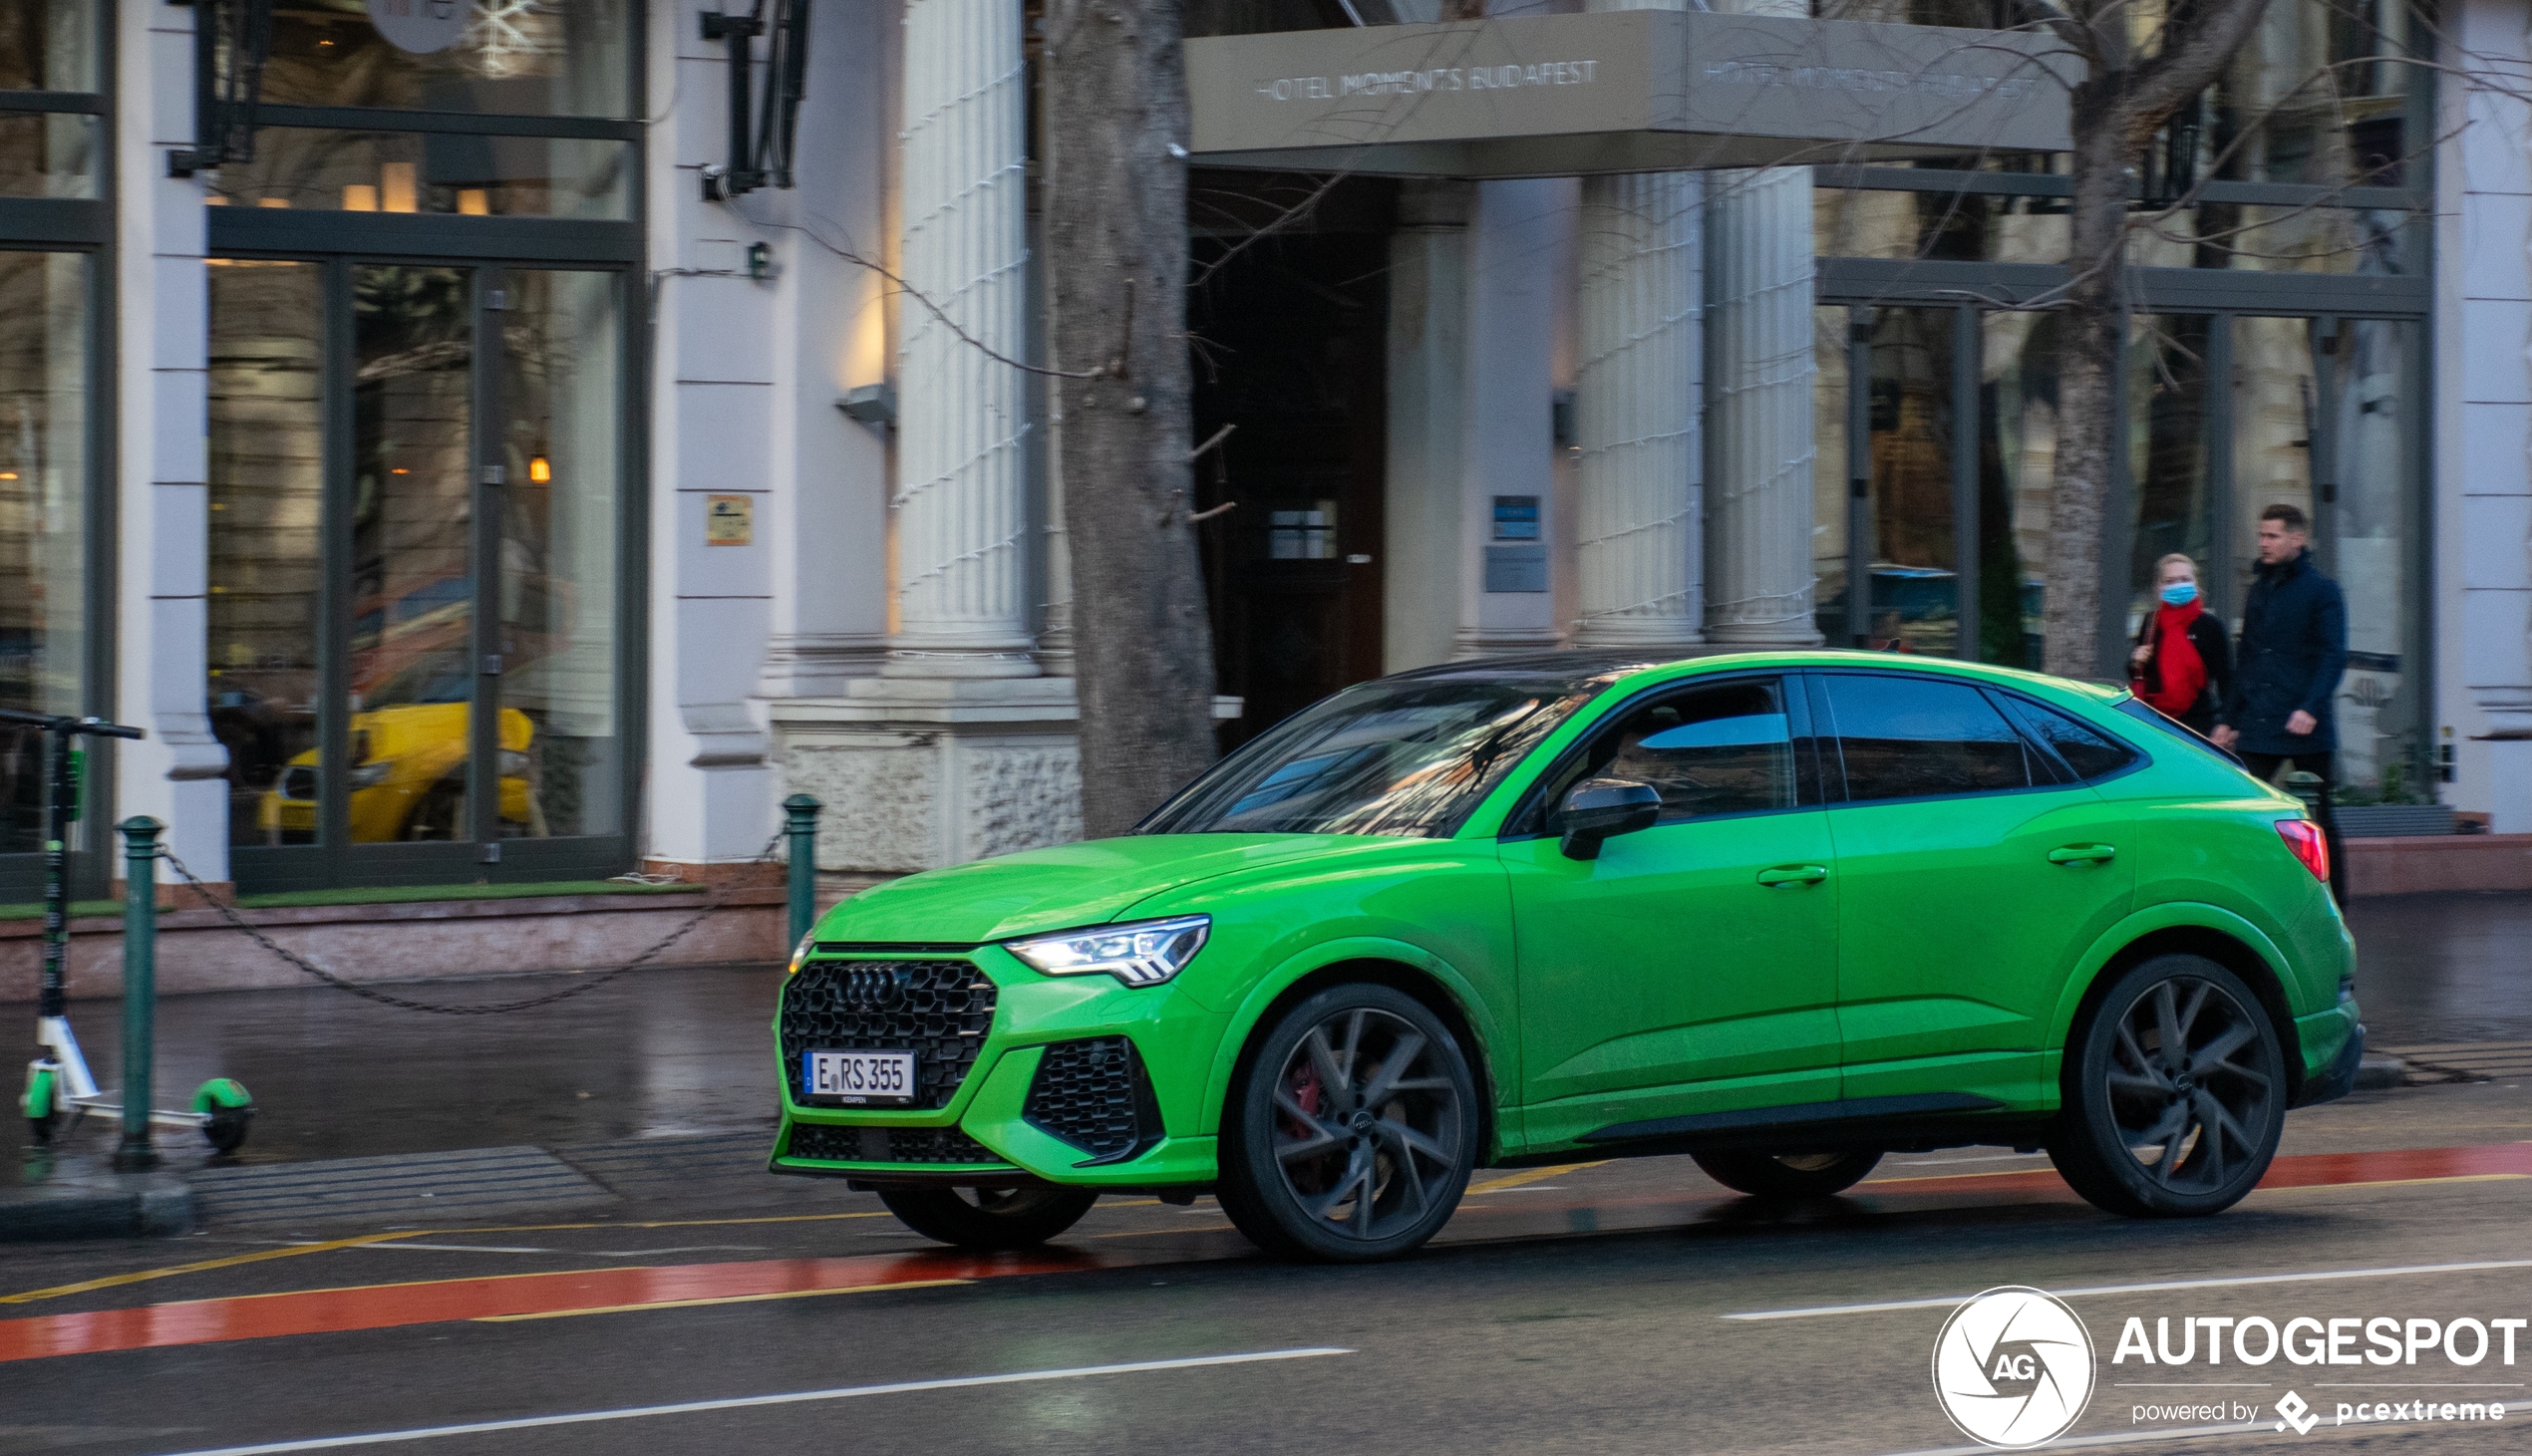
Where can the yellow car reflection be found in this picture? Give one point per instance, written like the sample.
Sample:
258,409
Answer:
408,777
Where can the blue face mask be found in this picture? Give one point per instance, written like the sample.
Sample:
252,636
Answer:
2180,593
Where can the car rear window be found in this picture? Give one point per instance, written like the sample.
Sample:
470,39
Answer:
2144,713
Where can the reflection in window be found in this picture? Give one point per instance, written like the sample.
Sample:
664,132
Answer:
267,474
49,155
421,172
1725,750
2367,544
44,370
1915,585
1913,737
2167,459
536,58
2017,469
47,45
559,517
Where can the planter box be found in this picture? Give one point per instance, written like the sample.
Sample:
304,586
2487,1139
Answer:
2376,821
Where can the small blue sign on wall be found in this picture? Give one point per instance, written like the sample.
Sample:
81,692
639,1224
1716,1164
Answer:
1516,568
1516,518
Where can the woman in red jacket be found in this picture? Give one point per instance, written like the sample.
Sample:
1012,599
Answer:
2182,665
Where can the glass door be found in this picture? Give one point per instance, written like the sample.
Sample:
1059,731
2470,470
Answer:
416,570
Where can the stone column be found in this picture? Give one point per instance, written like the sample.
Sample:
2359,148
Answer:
1638,549
1759,422
961,501
1428,389
1516,259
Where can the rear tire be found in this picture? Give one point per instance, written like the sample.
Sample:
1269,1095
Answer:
1350,1132
2174,1092
1788,1175
989,1219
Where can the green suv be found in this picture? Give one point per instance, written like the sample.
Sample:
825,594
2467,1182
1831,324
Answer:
1781,913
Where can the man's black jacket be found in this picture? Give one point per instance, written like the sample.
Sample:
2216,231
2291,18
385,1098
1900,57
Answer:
2294,651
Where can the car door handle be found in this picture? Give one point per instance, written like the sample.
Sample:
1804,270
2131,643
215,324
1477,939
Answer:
2084,854
1793,874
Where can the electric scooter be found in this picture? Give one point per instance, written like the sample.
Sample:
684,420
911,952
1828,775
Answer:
59,1089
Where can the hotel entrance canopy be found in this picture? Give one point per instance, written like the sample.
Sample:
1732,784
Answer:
1621,92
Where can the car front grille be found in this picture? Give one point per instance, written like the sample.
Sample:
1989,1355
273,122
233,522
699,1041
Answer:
886,1145
938,1010
1095,1095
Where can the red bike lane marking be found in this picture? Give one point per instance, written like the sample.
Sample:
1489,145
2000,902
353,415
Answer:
391,1306
382,1306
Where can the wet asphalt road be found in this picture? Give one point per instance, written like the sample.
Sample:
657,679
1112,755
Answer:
663,1053
1578,1311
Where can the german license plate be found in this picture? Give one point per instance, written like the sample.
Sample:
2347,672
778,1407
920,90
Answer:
859,1076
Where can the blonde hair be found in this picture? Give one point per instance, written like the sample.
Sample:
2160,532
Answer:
2183,557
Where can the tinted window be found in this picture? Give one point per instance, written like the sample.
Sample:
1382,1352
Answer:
2091,755
1907,737
1725,750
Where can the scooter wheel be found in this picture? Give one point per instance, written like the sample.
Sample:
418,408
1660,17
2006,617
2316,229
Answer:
227,1129
39,1131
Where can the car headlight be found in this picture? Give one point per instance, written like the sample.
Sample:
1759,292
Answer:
513,764
799,951
1145,953
369,776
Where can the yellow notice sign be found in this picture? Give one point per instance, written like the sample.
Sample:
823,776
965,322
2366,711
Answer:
729,520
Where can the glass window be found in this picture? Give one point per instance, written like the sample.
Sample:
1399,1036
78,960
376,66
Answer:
47,45
44,465
2380,242
2089,753
1829,482
1403,756
49,154
1915,584
2274,405
2016,469
536,58
559,514
267,473
1916,737
2369,413
2318,95
2167,726
1857,222
411,690
1725,750
418,171
2167,458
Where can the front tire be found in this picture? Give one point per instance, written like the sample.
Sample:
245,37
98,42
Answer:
2174,1093
1788,1175
989,1220
1351,1133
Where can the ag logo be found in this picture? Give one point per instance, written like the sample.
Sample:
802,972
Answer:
2013,1367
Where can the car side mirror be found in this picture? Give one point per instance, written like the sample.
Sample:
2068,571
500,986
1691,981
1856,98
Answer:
1598,809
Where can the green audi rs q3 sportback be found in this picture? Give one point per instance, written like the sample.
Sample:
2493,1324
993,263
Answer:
1780,913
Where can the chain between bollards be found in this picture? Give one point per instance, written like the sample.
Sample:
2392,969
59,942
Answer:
799,821
139,989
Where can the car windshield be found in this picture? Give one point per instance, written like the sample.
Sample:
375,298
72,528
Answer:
1407,756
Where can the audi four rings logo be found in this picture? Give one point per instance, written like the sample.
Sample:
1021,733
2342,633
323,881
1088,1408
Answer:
2013,1367
873,989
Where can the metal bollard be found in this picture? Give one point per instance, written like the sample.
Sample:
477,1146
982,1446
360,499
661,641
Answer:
140,988
800,816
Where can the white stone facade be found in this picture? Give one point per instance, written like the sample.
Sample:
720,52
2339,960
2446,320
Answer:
895,639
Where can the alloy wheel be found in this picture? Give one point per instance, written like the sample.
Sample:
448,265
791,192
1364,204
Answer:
1366,1127
2186,1091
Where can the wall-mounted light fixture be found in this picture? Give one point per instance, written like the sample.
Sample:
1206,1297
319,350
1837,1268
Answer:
871,405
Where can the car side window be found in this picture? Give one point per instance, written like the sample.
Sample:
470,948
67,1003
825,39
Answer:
1918,738
2092,754
1723,749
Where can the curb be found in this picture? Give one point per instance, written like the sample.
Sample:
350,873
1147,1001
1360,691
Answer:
98,1213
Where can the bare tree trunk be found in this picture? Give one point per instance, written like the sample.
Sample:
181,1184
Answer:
1116,233
2129,90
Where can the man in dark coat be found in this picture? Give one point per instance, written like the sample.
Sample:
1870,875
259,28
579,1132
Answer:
2293,648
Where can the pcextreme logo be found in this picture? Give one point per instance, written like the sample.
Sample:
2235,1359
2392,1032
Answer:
2013,1367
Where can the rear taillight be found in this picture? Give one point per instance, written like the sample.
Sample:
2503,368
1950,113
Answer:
2305,838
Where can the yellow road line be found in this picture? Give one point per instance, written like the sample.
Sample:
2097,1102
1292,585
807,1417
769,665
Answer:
1954,1177
112,1281
1529,1175
921,1283
1156,1233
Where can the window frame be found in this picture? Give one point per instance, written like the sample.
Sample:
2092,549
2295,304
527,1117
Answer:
1530,817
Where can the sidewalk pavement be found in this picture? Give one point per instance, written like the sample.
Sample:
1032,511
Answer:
658,1086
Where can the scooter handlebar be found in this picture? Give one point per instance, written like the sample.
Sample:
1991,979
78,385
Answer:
54,722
